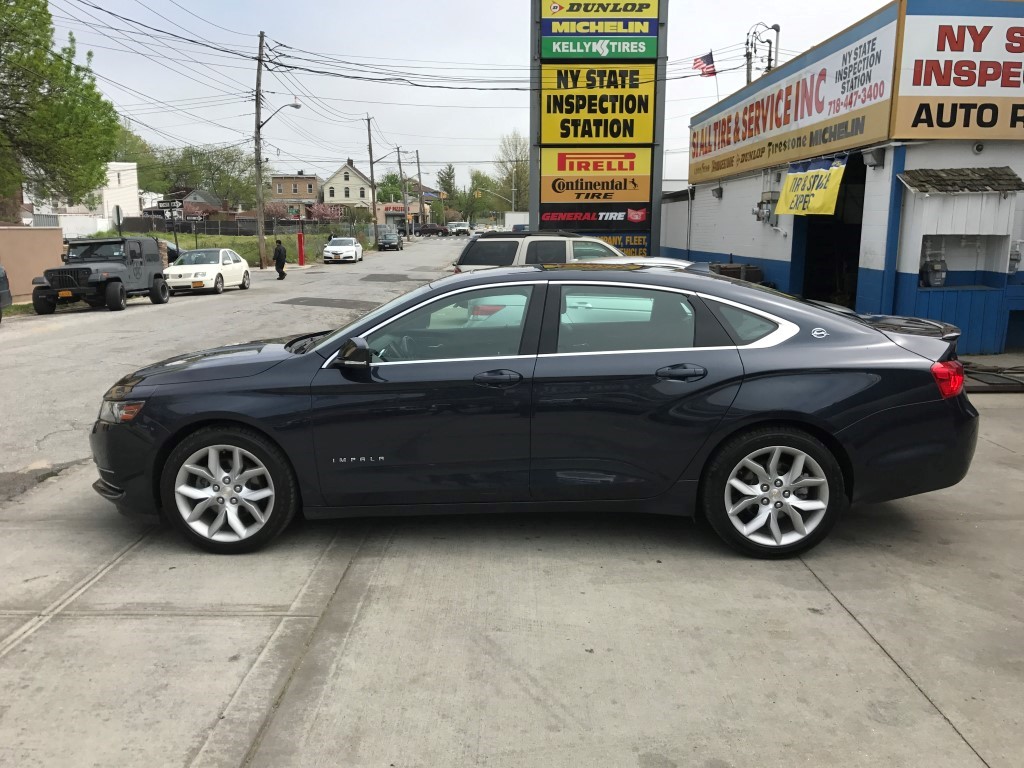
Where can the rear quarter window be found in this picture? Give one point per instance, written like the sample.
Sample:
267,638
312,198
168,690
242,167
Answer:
490,253
744,326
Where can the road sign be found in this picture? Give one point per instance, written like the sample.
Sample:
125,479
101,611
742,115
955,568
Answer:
193,217
118,216
169,204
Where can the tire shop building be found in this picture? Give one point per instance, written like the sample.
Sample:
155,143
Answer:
880,170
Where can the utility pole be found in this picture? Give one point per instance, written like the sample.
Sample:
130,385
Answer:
373,184
260,242
419,176
750,62
405,192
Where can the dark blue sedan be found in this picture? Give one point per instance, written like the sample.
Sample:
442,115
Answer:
641,389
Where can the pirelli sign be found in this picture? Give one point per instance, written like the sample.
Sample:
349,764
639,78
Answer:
596,175
596,113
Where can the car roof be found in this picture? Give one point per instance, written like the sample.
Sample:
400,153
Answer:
520,235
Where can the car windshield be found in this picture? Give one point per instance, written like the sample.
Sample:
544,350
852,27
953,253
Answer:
383,309
93,251
342,241
191,258
389,236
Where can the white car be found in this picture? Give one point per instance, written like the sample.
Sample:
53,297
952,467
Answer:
343,249
207,269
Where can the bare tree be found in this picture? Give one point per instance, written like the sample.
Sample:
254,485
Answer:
512,169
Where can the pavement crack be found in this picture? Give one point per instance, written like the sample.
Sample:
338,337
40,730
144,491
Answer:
899,666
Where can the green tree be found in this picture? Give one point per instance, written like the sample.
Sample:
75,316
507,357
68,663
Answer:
446,181
57,132
389,188
132,148
512,168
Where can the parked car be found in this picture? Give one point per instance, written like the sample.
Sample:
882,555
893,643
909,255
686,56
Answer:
459,227
208,269
428,230
404,232
391,241
638,388
341,249
5,291
507,249
103,272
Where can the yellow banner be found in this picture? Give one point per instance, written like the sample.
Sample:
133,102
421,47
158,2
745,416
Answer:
597,105
567,10
811,189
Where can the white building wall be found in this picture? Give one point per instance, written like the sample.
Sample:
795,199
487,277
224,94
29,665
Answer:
727,225
875,226
674,216
122,189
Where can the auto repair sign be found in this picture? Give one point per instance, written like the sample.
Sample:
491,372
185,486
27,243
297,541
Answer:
962,76
599,31
595,174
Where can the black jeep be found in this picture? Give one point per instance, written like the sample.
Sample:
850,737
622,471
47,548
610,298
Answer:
103,272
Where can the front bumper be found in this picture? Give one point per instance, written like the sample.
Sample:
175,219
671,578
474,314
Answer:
79,293
329,257
190,284
124,457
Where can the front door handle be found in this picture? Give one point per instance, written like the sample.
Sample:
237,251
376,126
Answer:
684,372
499,379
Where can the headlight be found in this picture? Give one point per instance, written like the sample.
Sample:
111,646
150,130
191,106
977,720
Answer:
119,411
199,274
122,389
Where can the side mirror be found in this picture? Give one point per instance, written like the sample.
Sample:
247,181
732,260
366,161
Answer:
355,353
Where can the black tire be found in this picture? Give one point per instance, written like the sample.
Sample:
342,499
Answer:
286,493
246,281
116,298
158,292
218,284
716,490
42,304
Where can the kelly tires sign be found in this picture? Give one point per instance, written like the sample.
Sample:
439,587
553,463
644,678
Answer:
962,76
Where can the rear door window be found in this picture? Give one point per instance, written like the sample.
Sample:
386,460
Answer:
614,319
744,326
490,253
588,251
546,252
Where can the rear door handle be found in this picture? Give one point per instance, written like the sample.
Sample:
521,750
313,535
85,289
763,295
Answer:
499,379
683,372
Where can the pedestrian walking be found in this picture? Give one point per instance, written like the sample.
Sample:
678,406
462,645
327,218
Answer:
280,256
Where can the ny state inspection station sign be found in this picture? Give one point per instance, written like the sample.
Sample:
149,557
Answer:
579,31
597,104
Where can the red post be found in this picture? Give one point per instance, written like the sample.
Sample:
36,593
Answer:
302,249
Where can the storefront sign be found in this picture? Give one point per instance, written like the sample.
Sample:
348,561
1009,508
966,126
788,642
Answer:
595,174
597,105
595,216
962,76
630,243
836,97
599,39
811,188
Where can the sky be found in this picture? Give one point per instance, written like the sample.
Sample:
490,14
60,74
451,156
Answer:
199,90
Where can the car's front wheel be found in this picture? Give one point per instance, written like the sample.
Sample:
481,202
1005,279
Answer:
773,492
116,297
43,305
218,284
158,292
228,490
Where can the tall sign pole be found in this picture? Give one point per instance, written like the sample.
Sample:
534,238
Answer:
373,184
597,123
260,242
419,178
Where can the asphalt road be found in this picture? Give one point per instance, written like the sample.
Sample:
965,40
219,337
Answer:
527,640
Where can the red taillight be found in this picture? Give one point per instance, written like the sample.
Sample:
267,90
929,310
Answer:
949,376
486,310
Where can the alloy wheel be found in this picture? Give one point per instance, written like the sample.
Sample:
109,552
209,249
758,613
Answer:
776,496
224,493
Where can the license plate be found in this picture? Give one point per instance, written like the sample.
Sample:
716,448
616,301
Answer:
64,294
197,283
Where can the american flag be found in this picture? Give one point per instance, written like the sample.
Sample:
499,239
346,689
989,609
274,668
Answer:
706,65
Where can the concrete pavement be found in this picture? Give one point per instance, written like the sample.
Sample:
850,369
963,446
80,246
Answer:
528,640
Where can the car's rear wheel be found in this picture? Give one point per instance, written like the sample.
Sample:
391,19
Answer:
43,305
228,490
116,297
773,492
158,292
245,281
218,284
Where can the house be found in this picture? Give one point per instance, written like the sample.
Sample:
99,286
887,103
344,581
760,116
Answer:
296,191
96,212
348,186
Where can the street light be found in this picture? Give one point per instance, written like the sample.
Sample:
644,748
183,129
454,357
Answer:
260,234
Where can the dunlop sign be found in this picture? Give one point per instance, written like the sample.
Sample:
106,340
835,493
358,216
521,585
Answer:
600,174
559,10
597,105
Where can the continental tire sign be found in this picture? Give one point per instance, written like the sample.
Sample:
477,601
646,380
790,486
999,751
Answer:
600,174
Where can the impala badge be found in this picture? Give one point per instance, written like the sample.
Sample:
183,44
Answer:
358,460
